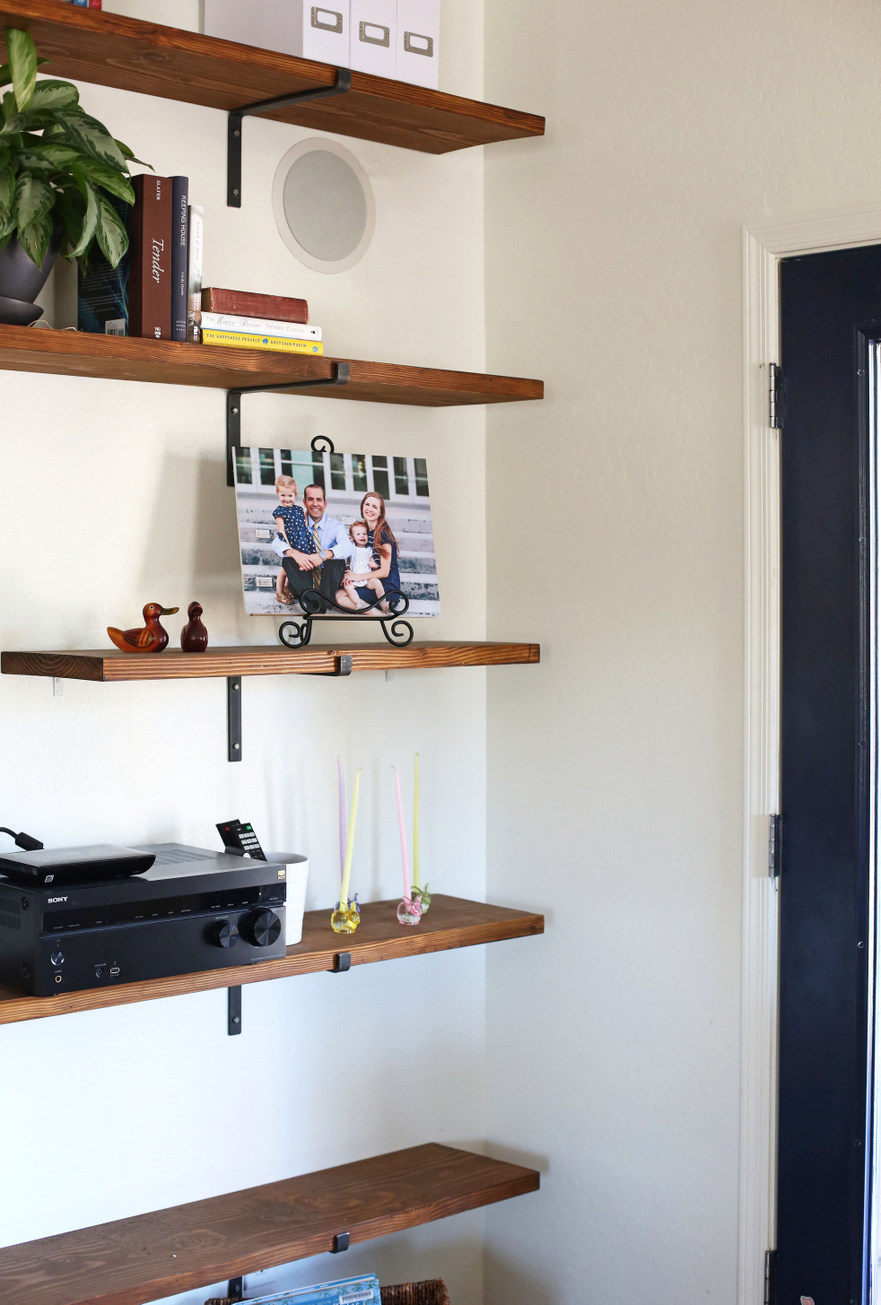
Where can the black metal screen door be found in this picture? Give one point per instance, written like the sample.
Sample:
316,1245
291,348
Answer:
830,306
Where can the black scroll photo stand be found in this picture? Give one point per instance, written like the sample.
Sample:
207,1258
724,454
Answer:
297,632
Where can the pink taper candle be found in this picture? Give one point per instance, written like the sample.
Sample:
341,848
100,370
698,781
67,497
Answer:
404,862
342,818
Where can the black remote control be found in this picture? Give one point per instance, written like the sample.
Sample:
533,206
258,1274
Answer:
241,839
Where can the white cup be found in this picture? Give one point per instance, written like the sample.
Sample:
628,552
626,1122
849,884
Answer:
297,867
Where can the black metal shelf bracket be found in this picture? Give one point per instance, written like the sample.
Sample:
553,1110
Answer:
341,84
342,962
339,375
234,717
340,1243
235,1289
234,1015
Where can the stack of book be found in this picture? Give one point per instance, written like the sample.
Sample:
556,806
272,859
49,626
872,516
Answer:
149,293
85,4
240,319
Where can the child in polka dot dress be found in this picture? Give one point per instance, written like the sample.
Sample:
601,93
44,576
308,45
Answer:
289,520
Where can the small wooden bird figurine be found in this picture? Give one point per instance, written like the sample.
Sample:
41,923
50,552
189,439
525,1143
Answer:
194,636
150,638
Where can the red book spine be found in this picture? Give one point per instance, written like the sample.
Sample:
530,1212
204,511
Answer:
150,258
243,303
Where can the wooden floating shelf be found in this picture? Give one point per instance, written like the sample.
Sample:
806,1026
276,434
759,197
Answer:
452,922
131,1261
171,362
132,55
110,666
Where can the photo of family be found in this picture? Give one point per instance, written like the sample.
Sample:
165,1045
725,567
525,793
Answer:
351,529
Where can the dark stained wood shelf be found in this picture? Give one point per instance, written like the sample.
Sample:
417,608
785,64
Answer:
131,1261
170,362
132,55
111,665
450,923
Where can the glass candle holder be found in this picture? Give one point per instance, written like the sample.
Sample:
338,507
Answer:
409,911
345,918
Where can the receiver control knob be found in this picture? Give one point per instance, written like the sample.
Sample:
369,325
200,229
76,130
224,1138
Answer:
224,933
262,928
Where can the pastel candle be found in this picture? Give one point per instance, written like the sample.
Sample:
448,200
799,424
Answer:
416,883
404,864
342,817
350,841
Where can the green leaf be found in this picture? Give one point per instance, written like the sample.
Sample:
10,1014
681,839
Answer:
11,120
108,178
4,240
89,225
93,139
35,237
22,55
69,210
112,235
59,156
53,95
33,198
7,190
7,224
35,163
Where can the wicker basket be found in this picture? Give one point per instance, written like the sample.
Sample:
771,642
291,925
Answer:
416,1293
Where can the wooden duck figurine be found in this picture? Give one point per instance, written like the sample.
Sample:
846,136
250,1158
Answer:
194,636
150,638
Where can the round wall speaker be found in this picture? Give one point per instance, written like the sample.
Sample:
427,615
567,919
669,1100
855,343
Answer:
323,205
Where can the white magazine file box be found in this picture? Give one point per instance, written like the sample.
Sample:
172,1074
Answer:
417,53
298,27
373,36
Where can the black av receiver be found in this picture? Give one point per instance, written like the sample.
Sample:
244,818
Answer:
192,910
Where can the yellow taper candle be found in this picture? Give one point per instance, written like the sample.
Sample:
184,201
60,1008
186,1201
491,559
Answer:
350,842
416,882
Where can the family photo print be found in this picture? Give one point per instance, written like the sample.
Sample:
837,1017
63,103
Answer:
352,528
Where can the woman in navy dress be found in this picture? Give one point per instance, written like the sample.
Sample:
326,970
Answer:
385,547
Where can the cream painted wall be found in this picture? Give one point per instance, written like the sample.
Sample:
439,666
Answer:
616,792
113,494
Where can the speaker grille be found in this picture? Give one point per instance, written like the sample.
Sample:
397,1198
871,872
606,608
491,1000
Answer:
10,910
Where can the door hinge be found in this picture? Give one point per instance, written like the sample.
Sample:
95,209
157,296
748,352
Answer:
776,396
774,840
770,1297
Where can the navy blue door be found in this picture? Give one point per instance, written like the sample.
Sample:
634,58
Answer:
830,305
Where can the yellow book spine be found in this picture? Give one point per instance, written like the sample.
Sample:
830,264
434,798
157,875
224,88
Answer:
240,340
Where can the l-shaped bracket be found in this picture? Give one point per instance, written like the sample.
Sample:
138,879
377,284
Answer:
342,83
339,376
342,666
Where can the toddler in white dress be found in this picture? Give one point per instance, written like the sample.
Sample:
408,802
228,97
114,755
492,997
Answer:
361,563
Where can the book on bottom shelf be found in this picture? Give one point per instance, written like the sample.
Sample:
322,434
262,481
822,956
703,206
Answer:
257,326
362,1290
195,238
247,303
149,282
242,340
102,290
180,187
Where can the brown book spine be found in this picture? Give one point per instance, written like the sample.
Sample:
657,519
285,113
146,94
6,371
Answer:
150,258
246,304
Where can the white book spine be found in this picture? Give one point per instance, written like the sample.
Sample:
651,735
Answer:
259,326
194,270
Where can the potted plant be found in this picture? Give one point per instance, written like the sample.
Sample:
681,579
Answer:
59,168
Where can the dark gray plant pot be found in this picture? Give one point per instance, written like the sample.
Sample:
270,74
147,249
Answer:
21,280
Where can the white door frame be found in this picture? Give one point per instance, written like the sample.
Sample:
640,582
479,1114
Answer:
763,248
